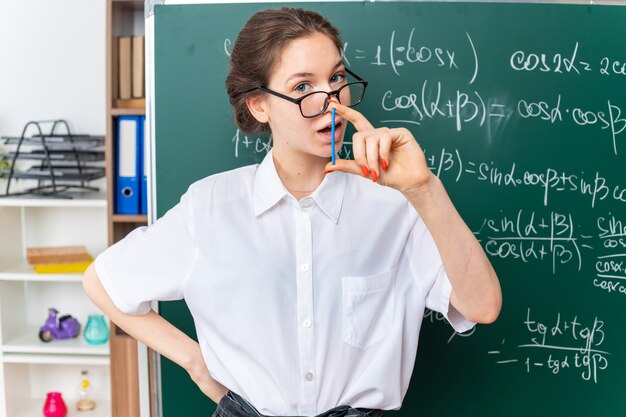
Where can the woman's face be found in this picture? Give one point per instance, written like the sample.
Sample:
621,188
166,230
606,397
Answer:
306,65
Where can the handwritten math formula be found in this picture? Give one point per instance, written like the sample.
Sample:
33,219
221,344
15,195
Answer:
593,187
557,240
558,344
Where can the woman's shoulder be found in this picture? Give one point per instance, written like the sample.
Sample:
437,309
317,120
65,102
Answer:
234,183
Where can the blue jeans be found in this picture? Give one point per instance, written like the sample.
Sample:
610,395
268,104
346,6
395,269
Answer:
232,405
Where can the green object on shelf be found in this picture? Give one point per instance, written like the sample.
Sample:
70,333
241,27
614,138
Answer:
96,330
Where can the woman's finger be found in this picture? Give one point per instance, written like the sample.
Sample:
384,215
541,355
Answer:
359,152
371,149
357,119
345,165
385,148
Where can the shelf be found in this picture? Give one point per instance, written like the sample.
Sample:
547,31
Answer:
22,271
41,359
128,112
28,343
59,155
79,200
60,173
34,407
130,218
52,142
130,5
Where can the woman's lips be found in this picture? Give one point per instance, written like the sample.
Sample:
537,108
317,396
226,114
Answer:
326,132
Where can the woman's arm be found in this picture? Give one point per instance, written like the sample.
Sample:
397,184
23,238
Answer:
157,333
392,157
476,290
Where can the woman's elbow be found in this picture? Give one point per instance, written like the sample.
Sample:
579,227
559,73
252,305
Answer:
490,315
90,281
491,308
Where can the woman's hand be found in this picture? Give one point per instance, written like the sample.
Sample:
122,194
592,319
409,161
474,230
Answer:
158,334
476,292
390,157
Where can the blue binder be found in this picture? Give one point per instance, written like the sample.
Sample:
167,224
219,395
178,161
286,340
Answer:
127,184
145,165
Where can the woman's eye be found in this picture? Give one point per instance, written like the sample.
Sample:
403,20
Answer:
337,78
302,88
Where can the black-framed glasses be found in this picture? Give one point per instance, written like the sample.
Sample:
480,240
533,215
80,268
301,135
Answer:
316,103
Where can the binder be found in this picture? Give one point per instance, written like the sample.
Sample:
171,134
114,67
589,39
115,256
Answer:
138,66
145,165
127,184
124,50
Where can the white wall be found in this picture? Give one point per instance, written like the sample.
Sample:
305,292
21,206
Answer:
52,64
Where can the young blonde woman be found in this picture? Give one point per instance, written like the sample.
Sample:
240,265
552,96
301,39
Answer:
307,281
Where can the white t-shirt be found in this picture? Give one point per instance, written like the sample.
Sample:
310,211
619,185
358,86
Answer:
299,306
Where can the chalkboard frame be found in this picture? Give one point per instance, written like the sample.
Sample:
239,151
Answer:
155,395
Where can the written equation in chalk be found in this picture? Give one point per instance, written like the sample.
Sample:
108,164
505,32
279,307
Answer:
559,344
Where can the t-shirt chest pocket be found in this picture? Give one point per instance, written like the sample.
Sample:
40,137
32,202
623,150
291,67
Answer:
368,305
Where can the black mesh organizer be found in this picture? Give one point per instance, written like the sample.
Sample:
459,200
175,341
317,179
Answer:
64,160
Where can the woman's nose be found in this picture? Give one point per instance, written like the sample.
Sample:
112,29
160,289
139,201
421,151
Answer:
334,95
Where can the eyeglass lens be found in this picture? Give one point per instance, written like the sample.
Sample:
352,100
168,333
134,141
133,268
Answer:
314,104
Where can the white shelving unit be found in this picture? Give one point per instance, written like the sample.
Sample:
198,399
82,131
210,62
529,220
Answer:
30,368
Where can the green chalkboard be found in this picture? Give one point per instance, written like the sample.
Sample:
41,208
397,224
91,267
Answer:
521,110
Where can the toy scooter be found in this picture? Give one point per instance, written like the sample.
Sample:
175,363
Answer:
67,327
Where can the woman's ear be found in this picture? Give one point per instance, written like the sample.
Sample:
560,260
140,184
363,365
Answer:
258,108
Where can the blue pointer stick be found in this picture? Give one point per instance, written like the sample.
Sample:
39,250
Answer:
332,134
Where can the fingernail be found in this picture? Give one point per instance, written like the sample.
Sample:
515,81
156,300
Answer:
327,171
365,171
384,163
374,176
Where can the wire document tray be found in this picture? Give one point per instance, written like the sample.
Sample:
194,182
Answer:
63,160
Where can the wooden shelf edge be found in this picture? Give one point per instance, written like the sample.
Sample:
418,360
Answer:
129,218
118,111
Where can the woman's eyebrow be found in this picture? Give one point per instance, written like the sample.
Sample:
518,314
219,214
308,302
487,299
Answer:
298,75
309,74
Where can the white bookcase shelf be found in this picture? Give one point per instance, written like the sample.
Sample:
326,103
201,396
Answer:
81,200
29,368
28,342
56,359
20,270
33,408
